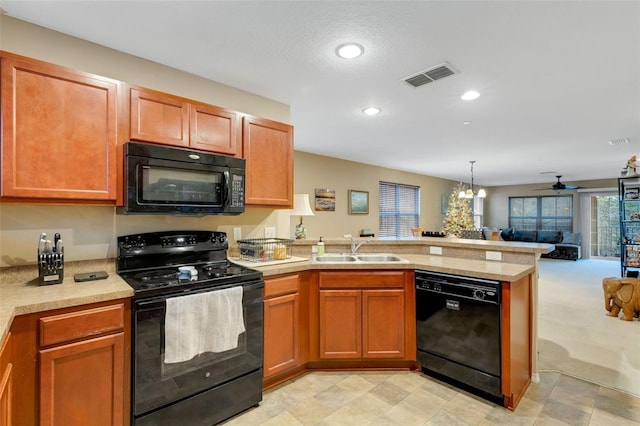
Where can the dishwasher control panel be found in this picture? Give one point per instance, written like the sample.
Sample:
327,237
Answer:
455,285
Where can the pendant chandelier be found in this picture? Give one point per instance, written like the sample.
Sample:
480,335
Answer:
469,192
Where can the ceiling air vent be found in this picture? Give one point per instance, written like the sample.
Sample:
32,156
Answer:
430,75
622,141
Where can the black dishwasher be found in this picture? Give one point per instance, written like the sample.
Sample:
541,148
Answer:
458,331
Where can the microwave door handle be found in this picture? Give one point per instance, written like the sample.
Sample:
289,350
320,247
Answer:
226,187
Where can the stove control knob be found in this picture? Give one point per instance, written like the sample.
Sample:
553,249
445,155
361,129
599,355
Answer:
478,294
222,238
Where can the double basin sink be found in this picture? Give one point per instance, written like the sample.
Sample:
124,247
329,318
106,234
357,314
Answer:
359,258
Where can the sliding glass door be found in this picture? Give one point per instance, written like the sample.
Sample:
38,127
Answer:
604,226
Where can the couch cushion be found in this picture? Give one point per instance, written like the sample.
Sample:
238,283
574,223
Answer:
507,234
526,236
549,237
571,238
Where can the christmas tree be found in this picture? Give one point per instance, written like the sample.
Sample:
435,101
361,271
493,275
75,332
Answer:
459,214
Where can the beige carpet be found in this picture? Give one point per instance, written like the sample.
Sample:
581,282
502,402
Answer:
575,336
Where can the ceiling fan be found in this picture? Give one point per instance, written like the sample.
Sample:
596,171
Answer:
559,186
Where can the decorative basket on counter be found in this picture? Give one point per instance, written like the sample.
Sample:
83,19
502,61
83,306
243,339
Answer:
265,249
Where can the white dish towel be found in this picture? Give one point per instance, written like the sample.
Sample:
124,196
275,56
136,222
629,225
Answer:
203,322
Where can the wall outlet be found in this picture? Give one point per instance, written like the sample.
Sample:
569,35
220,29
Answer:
494,255
237,233
269,232
435,250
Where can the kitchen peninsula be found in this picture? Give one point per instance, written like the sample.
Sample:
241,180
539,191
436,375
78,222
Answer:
295,290
312,296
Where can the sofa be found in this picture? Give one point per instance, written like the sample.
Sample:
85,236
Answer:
567,243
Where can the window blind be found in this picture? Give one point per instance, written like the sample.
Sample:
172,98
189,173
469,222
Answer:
399,207
553,213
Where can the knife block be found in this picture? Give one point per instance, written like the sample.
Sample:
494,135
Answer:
50,268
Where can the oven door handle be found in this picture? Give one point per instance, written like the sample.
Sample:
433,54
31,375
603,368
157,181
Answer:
248,285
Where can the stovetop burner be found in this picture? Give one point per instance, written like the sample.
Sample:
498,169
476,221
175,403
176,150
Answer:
149,262
156,276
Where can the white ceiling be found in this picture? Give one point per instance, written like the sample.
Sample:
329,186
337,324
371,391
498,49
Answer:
558,79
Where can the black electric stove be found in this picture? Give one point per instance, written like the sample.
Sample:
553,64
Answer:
150,262
212,386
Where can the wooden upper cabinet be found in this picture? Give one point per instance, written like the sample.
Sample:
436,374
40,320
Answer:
158,117
215,129
162,118
268,148
59,131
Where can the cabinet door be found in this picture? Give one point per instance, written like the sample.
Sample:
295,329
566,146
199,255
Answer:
6,383
82,383
59,132
268,148
383,324
340,324
214,129
281,339
158,117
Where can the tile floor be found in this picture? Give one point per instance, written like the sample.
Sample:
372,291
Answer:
411,398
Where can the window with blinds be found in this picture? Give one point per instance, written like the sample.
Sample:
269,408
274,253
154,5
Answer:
552,213
399,209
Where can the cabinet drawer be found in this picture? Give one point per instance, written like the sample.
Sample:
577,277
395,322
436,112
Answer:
280,286
361,279
76,325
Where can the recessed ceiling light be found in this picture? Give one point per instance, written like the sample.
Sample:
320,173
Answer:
470,95
349,50
371,111
466,122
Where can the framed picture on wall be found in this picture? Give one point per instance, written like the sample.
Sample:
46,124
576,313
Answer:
358,202
325,200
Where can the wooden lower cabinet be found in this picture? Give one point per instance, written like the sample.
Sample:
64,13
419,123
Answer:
516,340
72,366
383,323
6,383
340,324
361,324
83,383
365,315
285,327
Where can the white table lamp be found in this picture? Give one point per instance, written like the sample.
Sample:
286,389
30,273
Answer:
301,208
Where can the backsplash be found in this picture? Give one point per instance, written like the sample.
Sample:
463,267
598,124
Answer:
90,231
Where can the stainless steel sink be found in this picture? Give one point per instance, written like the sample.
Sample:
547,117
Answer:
335,258
359,258
379,258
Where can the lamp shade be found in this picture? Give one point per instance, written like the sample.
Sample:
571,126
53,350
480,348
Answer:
301,205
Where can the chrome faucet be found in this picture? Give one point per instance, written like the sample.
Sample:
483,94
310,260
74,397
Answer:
355,247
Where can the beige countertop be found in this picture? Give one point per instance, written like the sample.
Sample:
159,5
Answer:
476,268
412,242
21,294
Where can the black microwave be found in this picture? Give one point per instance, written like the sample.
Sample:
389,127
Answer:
161,179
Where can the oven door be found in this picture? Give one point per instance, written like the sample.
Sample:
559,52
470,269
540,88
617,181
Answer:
157,384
